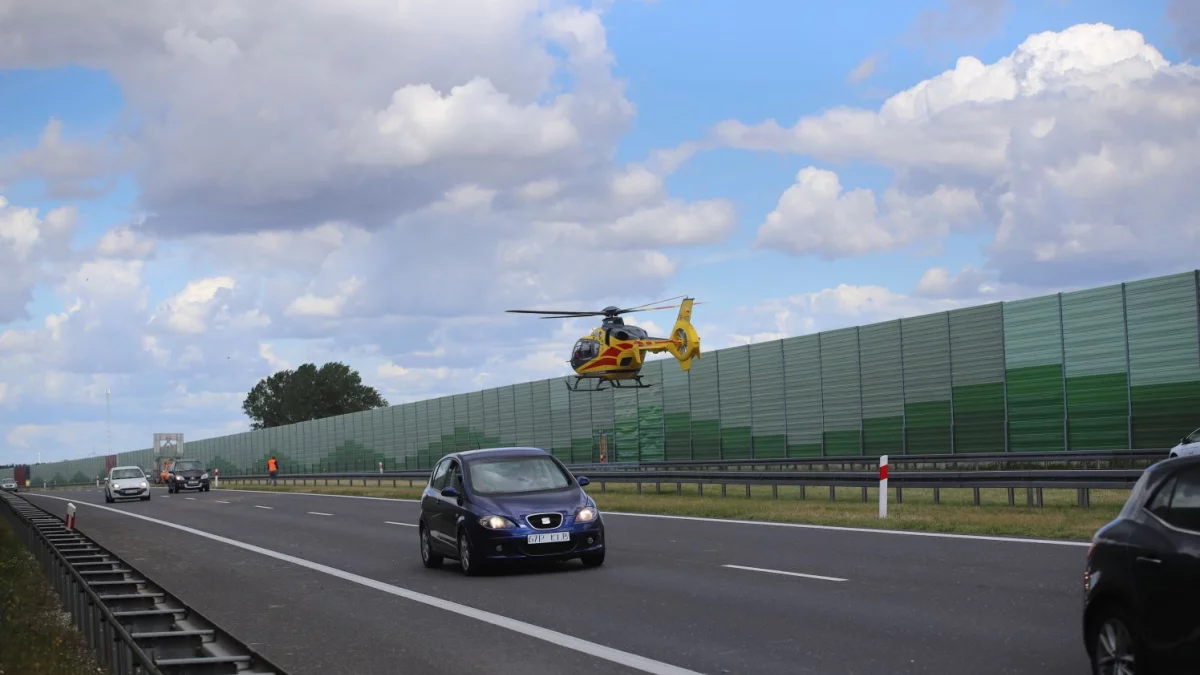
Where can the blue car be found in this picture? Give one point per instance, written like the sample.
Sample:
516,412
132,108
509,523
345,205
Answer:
507,504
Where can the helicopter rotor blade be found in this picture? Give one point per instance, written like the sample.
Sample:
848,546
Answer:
639,308
539,311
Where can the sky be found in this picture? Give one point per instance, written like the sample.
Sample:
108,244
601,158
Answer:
194,195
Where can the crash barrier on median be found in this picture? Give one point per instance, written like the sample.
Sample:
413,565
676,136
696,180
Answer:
903,472
133,626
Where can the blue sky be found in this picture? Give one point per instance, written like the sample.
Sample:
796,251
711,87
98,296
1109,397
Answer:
183,314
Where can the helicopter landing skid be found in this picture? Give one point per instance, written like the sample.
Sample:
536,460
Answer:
600,382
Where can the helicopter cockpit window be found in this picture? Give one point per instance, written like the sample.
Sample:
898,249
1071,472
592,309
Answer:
585,350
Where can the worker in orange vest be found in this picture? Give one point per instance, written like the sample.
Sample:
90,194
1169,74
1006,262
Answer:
273,469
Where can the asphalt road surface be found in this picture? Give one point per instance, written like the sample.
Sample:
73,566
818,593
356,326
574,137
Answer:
330,590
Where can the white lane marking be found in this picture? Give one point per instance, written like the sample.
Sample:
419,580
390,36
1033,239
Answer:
263,507
730,521
318,494
617,656
867,530
221,502
318,513
790,574
390,522
190,499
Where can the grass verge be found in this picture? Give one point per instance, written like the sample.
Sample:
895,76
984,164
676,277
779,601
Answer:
36,636
1059,518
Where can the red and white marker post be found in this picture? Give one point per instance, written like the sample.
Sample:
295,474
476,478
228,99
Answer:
381,467
216,478
883,490
70,519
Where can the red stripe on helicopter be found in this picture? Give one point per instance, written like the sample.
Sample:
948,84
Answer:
601,362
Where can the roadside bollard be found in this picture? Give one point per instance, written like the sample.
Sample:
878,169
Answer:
883,489
381,467
216,478
70,519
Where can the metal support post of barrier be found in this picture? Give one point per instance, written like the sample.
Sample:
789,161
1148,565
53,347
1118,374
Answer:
883,486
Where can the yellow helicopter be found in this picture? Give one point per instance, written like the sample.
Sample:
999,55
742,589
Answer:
614,351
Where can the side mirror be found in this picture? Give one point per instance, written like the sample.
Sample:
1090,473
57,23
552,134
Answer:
450,491
583,481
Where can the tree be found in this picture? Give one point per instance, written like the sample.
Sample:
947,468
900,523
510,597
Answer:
309,393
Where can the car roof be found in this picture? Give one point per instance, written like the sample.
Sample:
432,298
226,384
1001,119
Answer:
491,453
127,466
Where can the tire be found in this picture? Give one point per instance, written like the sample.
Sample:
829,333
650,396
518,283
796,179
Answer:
429,558
593,559
146,498
108,498
1110,633
469,562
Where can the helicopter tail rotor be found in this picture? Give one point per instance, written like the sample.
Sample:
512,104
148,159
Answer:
685,341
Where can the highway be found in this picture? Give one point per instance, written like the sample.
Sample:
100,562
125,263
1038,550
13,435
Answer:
325,584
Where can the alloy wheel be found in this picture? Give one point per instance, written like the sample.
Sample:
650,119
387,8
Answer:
1114,649
464,552
424,544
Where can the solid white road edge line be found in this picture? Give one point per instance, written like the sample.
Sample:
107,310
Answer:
790,574
835,528
318,513
554,637
391,522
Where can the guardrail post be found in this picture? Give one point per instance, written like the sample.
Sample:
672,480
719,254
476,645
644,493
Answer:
883,486
1012,496
976,491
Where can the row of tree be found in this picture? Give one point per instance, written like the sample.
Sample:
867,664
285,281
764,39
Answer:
309,393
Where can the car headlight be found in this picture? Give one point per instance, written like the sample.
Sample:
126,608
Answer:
497,523
178,477
204,476
586,515
143,484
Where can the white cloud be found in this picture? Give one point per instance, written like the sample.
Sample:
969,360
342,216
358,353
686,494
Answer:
816,216
191,309
1079,147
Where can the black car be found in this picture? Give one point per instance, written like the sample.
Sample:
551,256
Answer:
187,474
1141,609
507,504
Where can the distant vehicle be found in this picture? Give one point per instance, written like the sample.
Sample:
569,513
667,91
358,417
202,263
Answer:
1188,445
507,504
187,474
8,485
1140,590
126,482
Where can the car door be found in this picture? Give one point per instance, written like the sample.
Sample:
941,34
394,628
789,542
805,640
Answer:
431,501
1167,568
450,506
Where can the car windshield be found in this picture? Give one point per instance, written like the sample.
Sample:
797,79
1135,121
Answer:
516,474
188,465
119,474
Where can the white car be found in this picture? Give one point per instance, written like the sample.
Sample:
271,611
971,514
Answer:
8,485
1187,446
126,482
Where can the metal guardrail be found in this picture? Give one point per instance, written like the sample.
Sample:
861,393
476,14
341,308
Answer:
133,626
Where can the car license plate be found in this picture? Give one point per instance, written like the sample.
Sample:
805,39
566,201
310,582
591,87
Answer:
548,537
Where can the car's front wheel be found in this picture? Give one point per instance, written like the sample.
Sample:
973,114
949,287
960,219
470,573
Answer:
469,561
593,559
428,557
1113,646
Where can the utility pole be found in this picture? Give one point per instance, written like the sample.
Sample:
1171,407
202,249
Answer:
108,418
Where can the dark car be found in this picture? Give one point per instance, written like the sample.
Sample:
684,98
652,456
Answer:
1141,608
187,474
507,504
